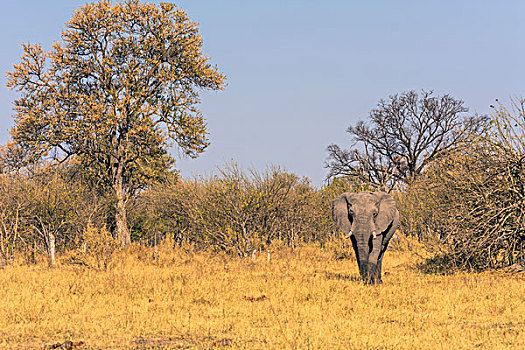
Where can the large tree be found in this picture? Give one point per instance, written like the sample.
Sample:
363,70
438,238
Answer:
122,83
404,134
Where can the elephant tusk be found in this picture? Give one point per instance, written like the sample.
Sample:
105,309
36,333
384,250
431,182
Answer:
349,234
374,234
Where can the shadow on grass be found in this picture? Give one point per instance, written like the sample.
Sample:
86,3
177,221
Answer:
182,342
343,276
438,265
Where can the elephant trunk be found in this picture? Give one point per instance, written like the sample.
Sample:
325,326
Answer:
363,252
367,249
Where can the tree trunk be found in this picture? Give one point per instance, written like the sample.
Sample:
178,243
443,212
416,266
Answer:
52,248
121,220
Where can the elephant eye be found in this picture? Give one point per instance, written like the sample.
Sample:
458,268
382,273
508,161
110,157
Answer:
375,214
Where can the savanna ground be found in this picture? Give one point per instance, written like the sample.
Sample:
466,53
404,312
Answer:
300,300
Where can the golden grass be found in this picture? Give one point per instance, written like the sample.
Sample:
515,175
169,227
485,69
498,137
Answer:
302,300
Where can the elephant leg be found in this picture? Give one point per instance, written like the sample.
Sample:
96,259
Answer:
380,263
379,267
374,261
380,259
372,273
364,271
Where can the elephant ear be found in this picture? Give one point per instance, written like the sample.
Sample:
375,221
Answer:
340,213
387,211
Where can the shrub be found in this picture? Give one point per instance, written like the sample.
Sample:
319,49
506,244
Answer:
95,249
45,210
472,202
238,211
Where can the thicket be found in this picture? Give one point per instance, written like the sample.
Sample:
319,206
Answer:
239,212
469,206
45,210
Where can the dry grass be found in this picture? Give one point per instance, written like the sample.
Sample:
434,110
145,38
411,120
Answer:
302,300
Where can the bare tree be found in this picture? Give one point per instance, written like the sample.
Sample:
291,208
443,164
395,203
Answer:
403,135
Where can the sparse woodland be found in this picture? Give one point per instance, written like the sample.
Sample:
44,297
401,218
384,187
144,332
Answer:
466,207
245,258
96,113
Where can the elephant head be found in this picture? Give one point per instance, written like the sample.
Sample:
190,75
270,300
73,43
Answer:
370,220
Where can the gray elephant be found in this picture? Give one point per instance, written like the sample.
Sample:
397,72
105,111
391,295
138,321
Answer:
370,220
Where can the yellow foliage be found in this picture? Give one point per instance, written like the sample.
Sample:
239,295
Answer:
96,249
182,299
121,85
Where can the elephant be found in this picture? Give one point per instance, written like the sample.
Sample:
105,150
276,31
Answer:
370,220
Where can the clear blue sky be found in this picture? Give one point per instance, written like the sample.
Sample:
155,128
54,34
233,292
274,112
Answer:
300,72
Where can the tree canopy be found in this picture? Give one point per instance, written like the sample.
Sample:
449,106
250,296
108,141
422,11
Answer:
404,134
122,83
